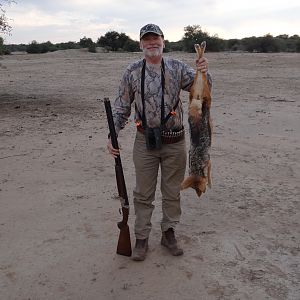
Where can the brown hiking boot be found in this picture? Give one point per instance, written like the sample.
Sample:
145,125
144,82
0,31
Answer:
140,250
169,241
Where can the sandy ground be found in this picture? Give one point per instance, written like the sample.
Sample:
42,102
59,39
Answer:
58,202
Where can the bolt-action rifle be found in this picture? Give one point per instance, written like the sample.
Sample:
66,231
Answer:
124,244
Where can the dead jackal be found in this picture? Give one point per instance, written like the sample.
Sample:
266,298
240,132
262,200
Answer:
200,131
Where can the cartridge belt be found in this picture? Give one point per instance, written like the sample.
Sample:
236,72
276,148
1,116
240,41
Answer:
167,137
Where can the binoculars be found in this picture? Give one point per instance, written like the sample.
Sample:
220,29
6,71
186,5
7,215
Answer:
153,138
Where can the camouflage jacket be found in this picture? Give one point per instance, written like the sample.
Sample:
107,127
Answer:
178,76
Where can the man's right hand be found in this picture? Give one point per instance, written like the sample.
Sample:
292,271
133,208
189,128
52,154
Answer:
113,152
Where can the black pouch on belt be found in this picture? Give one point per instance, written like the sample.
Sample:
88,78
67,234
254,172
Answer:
153,138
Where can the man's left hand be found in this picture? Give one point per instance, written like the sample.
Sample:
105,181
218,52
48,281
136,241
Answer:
202,64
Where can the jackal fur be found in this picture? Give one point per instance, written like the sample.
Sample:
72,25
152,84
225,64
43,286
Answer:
200,131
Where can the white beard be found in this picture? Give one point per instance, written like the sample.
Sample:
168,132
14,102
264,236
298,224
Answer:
153,53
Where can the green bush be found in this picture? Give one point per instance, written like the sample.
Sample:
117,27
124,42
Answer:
92,48
33,48
1,46
3,49
86,42
113,40
131,46
67,45
193,35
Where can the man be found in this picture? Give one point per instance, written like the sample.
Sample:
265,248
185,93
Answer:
154,84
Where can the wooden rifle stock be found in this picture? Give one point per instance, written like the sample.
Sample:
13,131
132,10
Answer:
124,244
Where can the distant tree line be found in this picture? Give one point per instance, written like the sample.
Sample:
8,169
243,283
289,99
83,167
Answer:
115,41
268,43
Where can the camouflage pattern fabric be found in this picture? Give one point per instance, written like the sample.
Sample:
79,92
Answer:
178,76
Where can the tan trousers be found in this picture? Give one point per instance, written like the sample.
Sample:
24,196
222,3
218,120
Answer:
172,161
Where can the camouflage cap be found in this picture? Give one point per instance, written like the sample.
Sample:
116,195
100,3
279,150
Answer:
150,28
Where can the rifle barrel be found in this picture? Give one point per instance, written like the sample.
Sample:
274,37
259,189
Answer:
118,163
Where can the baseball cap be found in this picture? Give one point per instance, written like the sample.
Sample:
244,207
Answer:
150,28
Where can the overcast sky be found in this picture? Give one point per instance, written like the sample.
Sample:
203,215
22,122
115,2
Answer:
70,20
